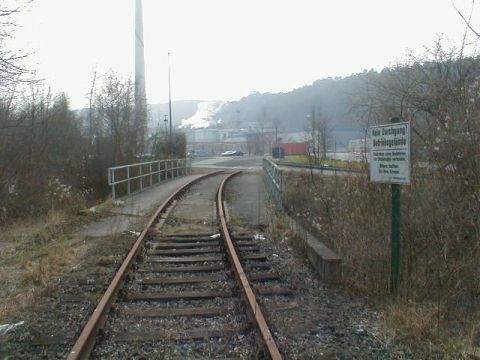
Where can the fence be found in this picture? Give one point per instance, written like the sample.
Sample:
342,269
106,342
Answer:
275,180
322,168
127,179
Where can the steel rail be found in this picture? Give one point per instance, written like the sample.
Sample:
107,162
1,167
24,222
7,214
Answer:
86,341
249,296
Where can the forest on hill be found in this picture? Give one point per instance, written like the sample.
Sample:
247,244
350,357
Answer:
331,97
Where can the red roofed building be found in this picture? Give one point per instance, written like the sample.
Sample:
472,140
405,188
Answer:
293,148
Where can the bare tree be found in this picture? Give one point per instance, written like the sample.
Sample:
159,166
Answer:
12,69
41,158
13,72
114,105
439,95
467,20
318,134
91,97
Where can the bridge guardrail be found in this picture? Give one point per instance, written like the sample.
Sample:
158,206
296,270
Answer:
136,177
319,167
325,261
275,180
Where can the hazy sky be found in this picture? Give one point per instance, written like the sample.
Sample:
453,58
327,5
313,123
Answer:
225,49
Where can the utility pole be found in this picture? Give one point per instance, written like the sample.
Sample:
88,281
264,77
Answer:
170,106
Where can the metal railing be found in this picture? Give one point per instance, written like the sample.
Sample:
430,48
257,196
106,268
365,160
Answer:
322,168
127,179
275,180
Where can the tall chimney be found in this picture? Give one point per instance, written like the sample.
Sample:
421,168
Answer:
140,92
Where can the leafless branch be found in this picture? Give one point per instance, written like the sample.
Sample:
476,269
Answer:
467,21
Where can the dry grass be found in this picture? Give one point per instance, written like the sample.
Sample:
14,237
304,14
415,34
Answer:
440,251
33,254
100,210
280,232
421,327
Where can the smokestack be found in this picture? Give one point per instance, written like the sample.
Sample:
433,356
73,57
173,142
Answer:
139,54
140,92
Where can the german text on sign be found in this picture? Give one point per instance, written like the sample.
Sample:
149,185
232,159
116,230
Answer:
390,153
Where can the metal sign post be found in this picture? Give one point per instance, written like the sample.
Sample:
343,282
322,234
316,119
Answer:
390,163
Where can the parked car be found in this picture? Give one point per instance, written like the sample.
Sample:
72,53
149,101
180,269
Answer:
232,153
227,153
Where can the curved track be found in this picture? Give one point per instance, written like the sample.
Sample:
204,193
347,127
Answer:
195,266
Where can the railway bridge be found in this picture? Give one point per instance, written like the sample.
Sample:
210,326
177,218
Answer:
203,269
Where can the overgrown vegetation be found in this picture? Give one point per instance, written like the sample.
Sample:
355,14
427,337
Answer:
33,253
440,290
54,158
53,161
440,274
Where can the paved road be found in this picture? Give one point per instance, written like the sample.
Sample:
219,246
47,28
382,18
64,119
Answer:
235,162
254,162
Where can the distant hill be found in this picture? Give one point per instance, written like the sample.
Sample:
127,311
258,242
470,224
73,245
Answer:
289,110
332,98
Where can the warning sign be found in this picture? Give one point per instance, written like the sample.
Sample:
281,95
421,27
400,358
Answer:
390,153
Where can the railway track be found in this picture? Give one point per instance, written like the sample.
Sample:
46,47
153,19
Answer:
187,287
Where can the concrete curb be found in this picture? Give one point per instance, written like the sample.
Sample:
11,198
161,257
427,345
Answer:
327,264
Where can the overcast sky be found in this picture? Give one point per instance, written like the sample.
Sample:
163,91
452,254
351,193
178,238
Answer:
225,49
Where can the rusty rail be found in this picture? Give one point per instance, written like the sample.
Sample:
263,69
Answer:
249,296
87,338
